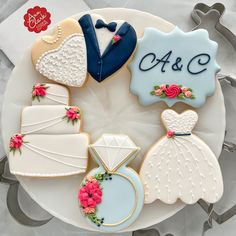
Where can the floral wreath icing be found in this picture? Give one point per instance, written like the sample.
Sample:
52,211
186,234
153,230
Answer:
111,196
179,58
180,165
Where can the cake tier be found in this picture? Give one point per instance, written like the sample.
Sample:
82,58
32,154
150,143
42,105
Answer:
55,95
50,155
48,119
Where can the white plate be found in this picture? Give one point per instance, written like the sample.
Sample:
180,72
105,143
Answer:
107,107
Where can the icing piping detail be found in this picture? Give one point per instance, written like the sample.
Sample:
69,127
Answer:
34,149
90,195
56,64
172,91
46,38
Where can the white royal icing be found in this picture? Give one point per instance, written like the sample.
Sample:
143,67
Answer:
104,36
114,149
47,120
67,64
183,167
50,155
56,95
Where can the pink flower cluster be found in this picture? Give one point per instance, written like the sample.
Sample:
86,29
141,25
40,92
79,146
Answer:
73,113
170,134
16,141
116,38
39,90
172,91
90,195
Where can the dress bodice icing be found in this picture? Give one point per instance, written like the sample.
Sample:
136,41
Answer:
180,123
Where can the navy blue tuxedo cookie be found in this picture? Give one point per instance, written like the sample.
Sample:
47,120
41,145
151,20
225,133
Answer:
118,50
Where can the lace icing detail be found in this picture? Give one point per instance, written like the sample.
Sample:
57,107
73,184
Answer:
180,123
67,64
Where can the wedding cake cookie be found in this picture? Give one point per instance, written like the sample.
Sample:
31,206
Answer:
50,143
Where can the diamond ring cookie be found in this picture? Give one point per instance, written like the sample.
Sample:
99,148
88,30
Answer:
111,196
180,165
50,143
61,57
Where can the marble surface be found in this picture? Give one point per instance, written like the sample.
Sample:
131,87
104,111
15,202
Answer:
189,221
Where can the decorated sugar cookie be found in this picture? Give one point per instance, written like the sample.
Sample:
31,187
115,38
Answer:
39,155
180,165
49,94
50,143
174,67
109,44
61,57
111,196
49,119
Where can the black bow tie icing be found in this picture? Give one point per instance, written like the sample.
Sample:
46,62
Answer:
101,24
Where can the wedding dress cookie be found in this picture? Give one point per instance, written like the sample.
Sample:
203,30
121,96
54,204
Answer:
49,94
174,67
61,57
180,165
111,196
109,45
39,155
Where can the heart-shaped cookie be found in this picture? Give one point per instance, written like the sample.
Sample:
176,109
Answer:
109,45
61,57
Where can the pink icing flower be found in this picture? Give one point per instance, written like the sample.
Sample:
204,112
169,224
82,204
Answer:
163,87
90,194
16,141
73,113
184,89
158,92
170,134
188,94
39,90
89,210
172,91
116,38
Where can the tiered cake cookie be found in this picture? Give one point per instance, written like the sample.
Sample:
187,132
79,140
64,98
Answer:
50,143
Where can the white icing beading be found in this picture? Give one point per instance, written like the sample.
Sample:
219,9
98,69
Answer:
182,123
182,167
67,64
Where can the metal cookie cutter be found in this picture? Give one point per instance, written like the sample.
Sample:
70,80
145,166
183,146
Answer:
205,16
210,16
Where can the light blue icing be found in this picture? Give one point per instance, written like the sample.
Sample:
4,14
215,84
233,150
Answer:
183,45
120,198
